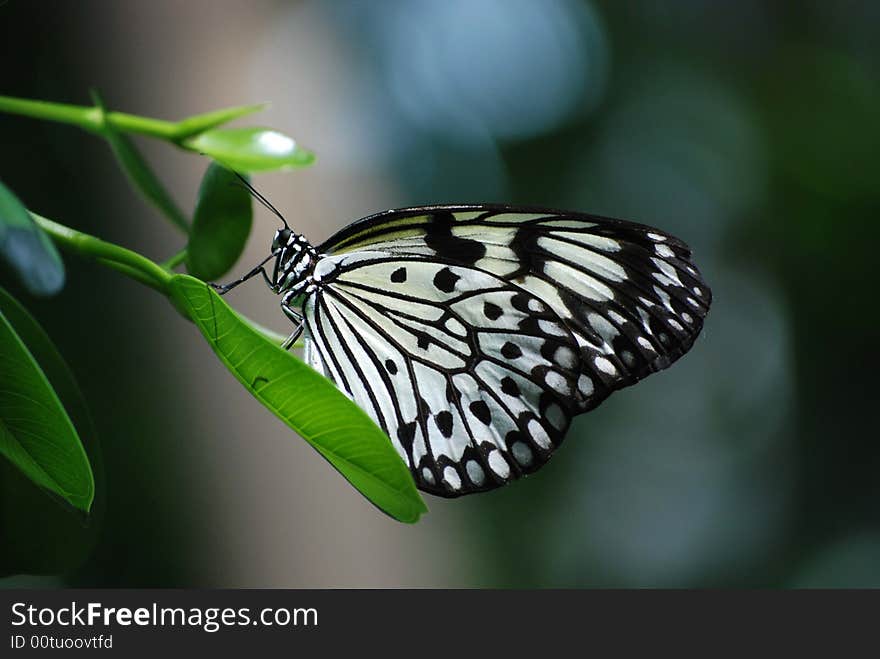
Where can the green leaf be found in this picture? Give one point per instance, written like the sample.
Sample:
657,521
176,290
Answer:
251,149
36,434
221,224
138,172
27,249
48,538
305,400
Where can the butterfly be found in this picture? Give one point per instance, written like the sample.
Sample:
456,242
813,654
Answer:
472,334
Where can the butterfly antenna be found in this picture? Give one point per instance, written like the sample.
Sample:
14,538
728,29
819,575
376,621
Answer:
261,198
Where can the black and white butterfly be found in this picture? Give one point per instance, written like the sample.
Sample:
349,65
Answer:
472,334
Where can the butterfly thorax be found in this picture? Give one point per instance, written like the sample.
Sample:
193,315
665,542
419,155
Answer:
295,259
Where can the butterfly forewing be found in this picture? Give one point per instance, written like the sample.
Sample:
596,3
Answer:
472,377
629,293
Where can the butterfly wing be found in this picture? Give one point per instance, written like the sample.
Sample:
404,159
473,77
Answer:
629,294
473,378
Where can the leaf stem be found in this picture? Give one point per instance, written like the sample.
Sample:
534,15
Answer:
176,260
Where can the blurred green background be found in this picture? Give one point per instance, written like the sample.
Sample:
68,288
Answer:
748,129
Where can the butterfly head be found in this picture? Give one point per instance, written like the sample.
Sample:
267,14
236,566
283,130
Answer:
280,239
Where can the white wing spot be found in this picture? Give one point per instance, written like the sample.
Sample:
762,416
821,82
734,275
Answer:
585,385
579,281
693,302
645,343
498,464
663,279
669,271
522,453
603,328
663,295
475,473
616,317
687,317
656,237
536,430
605,366
675,324
427,476
536,305
556,416
586,239
664,251
565,357
557,382
452,478
551,328
698,290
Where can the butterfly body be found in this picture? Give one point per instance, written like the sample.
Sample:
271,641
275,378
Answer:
472,334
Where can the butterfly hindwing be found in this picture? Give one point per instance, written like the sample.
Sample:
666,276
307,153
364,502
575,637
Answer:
473,378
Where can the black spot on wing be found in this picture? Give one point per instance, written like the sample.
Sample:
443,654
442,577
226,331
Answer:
444,421
445,280
492,311
399,276
509,386
423,338
511,350
481,411
440,238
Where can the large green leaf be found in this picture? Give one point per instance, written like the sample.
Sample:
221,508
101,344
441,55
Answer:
221,224
251,149
36,434
305,401
26,248
48,538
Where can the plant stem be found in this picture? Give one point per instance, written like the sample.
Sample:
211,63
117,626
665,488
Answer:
131,273
128,262
89,118
119,258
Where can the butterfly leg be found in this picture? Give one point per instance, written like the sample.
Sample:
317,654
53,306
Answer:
223,289
297,319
